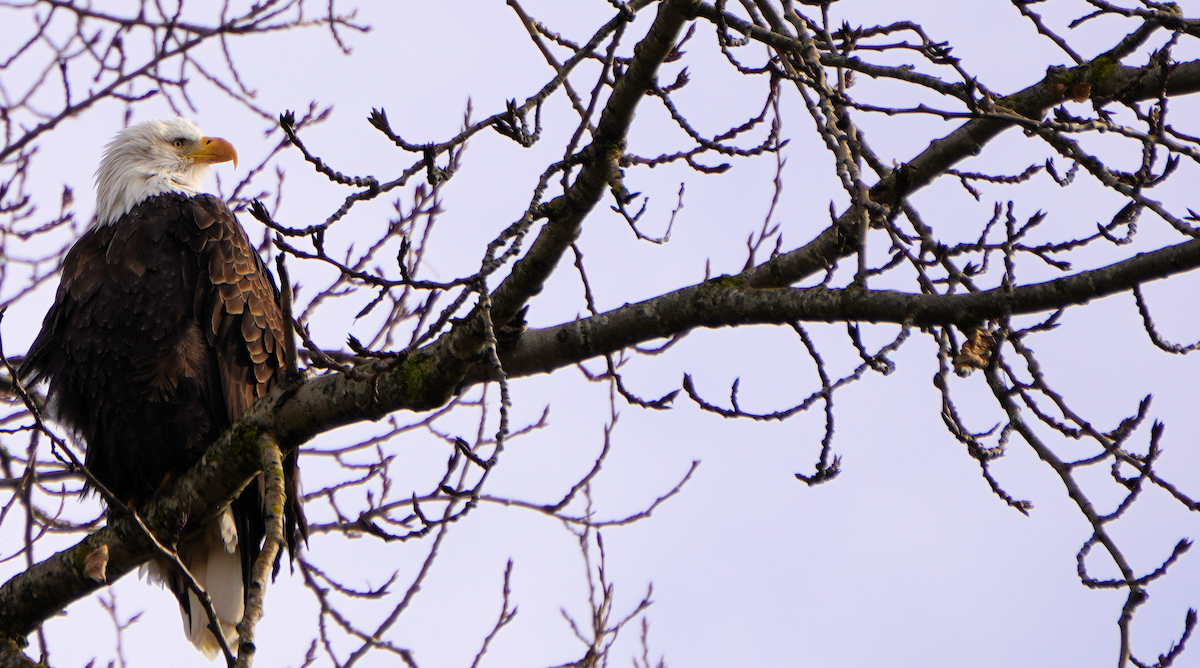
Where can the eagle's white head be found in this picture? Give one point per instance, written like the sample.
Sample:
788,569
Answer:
153,158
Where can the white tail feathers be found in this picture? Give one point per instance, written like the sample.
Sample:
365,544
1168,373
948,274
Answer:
215,562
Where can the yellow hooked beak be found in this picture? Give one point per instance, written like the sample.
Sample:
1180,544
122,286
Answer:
214,149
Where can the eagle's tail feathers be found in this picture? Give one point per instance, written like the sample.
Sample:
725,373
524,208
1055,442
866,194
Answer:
214,560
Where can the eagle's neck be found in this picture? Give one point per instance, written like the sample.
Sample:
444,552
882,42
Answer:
123,184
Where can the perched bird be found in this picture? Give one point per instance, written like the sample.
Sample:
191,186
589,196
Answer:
165,328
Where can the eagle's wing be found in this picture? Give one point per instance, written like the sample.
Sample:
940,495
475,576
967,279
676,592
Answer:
237,306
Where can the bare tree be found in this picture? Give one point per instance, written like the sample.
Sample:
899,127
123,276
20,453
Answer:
978,291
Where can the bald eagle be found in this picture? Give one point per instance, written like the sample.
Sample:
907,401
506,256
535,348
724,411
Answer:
165,328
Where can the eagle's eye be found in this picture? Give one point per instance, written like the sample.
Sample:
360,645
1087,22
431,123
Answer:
179,143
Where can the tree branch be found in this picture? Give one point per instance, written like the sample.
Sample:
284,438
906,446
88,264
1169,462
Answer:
728,301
